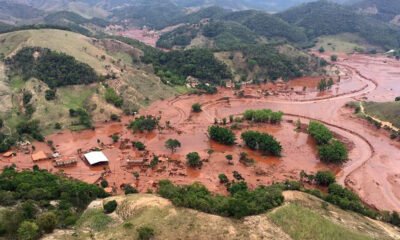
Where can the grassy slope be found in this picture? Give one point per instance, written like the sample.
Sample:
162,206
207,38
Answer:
302,217
345,42
389,111
137,86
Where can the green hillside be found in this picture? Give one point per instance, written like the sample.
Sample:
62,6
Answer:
324,18
385,10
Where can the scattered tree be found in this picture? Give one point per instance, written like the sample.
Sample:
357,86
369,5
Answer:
172,144
196,108
193,160
110,206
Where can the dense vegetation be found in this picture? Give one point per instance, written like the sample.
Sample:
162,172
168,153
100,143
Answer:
330,150
268,25
222,135
263,116
387,9
29,194
55,69
175,66
240,203
274,65
325,18
263,142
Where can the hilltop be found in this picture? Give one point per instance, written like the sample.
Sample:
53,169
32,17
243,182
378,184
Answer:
301,217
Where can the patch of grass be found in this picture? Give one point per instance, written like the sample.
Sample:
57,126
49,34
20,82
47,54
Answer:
95,219
302,223
346,43
389,111
74,97
16,83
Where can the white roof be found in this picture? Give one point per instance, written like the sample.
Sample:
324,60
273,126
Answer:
96,157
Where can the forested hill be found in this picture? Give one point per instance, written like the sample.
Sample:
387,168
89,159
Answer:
385,10
55,69
325,18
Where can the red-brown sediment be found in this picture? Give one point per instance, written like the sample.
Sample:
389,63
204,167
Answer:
374,161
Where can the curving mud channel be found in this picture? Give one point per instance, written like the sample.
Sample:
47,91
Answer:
373,169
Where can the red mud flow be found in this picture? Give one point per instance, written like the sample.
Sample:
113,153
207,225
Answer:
373,170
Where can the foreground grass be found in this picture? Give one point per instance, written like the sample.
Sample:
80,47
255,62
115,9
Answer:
389,111
302,223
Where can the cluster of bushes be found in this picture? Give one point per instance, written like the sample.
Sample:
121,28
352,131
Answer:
182,36
31,129
83,117
144,123
113,98
6,142
206,88
55,69
29,194
240,203
330,150
222,135
263,142
263,116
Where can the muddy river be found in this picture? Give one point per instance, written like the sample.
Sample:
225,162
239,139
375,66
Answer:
373,169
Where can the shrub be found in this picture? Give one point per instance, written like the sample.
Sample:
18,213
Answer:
196,108
47,222
334,58
223,179
104,183
145,233
193,160
114,117
50,94
222,135
28,231
110,206
334,152
112,97
128,189
397,99
325,178
139,146
154,162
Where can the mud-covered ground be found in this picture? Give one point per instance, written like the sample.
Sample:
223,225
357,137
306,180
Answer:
373,169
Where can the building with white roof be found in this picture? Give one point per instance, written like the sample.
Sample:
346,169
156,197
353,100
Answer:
94,158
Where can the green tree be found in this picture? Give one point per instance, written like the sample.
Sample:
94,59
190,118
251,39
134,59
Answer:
110,206
334,152
47,222
222,135
321,49
172,144
193,159
139,145
322,85
28,231
325,178
334,58
223,179
196,108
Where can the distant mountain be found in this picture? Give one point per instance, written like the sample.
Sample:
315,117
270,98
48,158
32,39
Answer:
325,18
12,12
385,10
